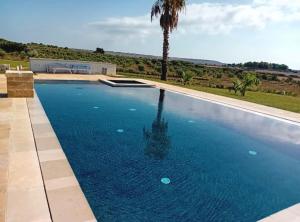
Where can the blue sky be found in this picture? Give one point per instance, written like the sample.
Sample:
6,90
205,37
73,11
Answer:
225,30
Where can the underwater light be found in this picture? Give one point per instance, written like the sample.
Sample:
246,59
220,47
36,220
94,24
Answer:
165,180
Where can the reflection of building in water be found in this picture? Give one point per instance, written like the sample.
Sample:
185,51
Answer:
157,140
71,66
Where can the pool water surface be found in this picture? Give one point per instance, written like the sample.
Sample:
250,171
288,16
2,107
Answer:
144,154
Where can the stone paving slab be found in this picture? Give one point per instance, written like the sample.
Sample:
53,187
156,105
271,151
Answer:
22,188
65,197
291,214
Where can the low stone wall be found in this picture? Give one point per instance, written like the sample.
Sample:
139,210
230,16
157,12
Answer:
19,85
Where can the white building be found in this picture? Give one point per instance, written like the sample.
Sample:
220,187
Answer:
40,65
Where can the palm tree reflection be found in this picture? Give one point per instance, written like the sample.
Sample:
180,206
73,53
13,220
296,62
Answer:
158,142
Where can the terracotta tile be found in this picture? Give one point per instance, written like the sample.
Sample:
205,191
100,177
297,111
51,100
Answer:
69,204
56,169
27,205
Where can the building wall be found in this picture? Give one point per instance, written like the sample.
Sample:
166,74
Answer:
42,65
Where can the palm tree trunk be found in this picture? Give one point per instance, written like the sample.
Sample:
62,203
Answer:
165,55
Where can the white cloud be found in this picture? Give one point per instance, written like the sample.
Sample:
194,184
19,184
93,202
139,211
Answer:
211,18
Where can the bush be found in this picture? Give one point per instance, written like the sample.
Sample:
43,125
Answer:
2,52
33,53
186,77
247,80
230,75
141,68
219,75
131,71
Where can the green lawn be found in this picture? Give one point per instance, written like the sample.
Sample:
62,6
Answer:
14,63
289,103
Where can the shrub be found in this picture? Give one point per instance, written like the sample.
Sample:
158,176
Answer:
247,80
33,53
2,52
141,68
230,75
186,77
219,75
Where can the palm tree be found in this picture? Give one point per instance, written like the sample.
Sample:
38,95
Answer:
158,142
169,13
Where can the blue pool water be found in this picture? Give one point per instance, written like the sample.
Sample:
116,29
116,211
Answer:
149,155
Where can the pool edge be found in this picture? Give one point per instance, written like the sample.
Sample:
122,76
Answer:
65,197
260,109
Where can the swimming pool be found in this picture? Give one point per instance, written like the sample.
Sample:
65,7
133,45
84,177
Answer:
144,154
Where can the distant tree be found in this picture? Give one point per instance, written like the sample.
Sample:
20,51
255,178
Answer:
168,10
236,85
99,50
9,46
248,79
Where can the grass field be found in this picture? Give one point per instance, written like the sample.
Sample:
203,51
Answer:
14,63
289,103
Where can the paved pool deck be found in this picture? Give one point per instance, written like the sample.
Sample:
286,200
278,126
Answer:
36,180
37,183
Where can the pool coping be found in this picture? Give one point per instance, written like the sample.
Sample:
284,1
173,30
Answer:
266,111
136,85
66,200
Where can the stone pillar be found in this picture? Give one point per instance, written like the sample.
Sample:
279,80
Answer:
19,83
